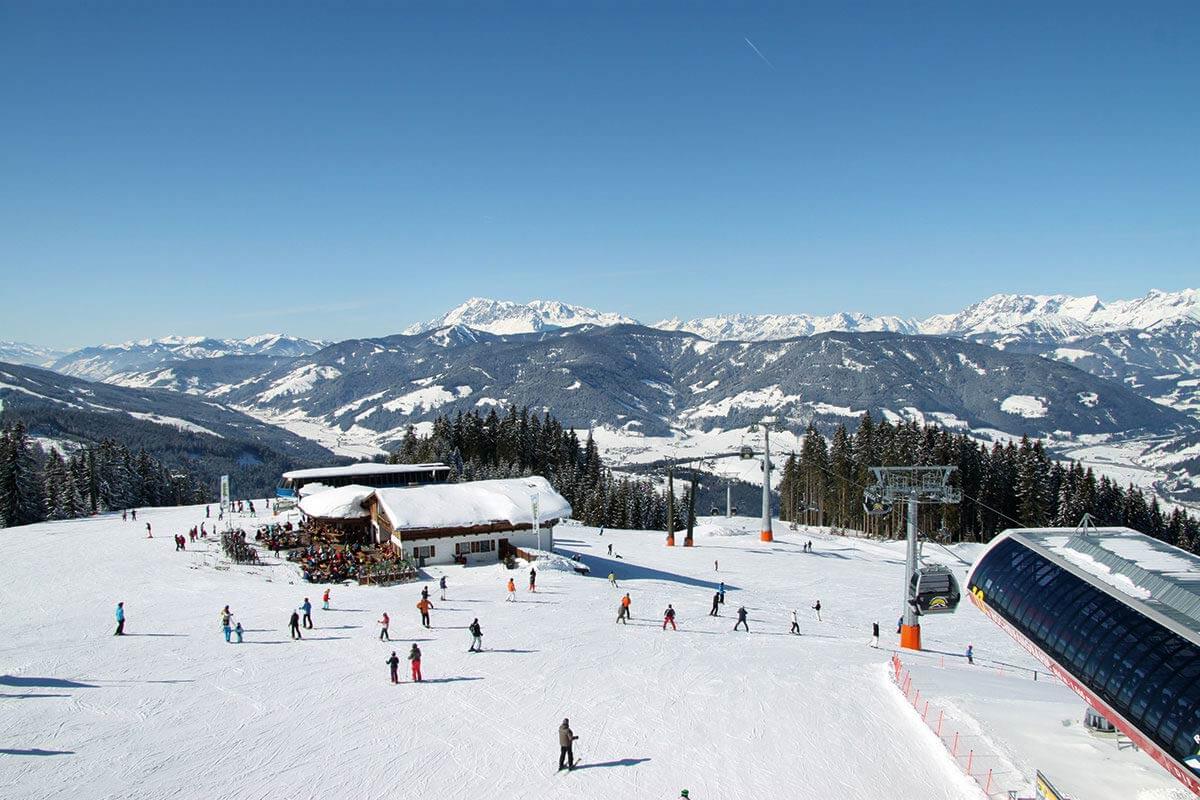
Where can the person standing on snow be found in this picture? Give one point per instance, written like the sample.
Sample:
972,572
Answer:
566,752
512,592
716,602
476,637
795,623
610,548
324,599
612,579
294,624
394,666
383,631
626,602
741,619
721,592
149,535
716,566
425,593
120,614
307,613
874,634
414,656
669,617
817,608
442,586
532,579
622,612
970,654
133,512
238,630
226,623
424,607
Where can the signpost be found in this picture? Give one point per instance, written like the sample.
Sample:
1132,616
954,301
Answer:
225,493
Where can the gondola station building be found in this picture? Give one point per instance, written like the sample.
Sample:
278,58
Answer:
444,523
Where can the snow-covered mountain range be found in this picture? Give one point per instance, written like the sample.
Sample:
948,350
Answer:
104,361
28,354
505,316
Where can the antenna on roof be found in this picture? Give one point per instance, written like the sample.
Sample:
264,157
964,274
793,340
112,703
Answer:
1085,524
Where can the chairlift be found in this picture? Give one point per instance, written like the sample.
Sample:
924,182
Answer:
934,590
747,452
877,506
714,511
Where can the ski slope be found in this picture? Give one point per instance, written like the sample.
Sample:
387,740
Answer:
171,710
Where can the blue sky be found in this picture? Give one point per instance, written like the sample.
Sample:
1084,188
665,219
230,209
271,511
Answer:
339,169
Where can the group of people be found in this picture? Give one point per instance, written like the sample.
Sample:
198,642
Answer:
327,563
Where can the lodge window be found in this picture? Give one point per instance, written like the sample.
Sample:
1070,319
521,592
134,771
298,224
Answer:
481,546
424,551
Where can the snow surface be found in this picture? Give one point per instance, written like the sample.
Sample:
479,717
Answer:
172,711
1024,405
365,468
452,505
342,502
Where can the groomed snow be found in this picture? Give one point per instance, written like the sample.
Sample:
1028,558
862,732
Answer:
172,711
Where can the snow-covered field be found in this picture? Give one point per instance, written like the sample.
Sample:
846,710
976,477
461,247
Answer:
171,710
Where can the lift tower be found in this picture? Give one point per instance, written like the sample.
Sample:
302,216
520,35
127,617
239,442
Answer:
913,485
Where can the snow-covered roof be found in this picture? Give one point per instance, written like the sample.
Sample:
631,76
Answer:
461,505
365,468
1146,571
344,502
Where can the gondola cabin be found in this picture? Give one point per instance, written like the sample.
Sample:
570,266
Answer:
934,590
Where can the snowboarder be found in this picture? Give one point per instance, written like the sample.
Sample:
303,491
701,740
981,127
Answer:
669,617
238,630
307,613
970,654
566,753
476,637
874,634
424,607
721,592
532,579
294,624
414,656
149,535
741,619
383,631
817,608
795,623
394,666
325,600
442,586
612,579
716,602
512,592
120,619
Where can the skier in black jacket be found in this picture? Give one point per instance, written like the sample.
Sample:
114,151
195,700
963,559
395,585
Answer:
476,637
394,664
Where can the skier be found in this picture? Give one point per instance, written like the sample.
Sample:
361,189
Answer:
622,612
307,613
414,656
810,545
716,566
874,634
721,592
133,513
532,579
383,631
741,619
476,637
207,513
565,739
610,548
424,607
612,579
795,623
970,654
294,624
325,600
626,602
425,593
669,616
120,619
442,586
817,608
512,592
149,535
394,666
716,602
899,624
226,619
238,631
124,516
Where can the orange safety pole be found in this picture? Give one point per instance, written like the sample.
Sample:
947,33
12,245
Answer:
987,789
939,728
970,760
954,749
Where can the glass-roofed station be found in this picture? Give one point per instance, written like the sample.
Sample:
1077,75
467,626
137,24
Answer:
1113,613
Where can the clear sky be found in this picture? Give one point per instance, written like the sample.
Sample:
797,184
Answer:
340,169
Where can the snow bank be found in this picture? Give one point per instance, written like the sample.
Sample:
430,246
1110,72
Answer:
547,560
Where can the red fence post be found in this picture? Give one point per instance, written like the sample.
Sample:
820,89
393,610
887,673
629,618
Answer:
916,698
939,728
954,749
970,760
925,713
987,789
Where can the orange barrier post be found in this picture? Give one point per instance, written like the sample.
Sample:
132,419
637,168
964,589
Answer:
970,760
987,789
954,749
941,714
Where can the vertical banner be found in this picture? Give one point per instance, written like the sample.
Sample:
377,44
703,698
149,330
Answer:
224,492
1045,789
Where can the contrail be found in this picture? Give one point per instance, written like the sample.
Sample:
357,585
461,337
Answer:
758,52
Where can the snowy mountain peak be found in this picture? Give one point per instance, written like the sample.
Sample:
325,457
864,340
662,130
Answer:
765,327
506,316
1065,314
30,354
103,361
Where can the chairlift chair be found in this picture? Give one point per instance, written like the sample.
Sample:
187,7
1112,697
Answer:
934,590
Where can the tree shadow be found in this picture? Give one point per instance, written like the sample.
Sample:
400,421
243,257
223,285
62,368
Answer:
163,635
321,638
355,610
37,751
44,683
337,627
622,762
628,570
271,641
451,680
508,650
29,696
